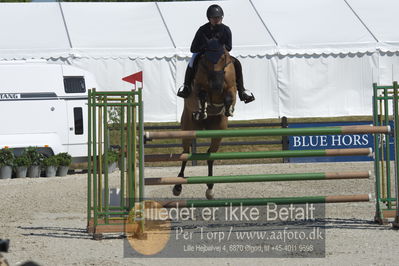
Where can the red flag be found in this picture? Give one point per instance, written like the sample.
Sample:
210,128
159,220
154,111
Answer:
134,77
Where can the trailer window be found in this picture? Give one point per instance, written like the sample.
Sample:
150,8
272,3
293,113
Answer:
74,84
78,116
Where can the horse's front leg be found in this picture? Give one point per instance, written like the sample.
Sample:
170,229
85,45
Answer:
201,114
209,192
215,143
229,103
177,189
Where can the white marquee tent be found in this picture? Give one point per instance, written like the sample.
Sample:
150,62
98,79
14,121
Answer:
301,58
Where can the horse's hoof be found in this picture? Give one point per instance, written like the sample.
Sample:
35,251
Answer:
177,190
196,116
227,114
229,111
209,194
200,115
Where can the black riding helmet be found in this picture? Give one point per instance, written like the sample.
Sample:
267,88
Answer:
214,11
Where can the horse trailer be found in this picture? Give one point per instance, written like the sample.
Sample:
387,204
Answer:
44,105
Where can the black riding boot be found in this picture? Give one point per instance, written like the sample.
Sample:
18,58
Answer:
188,79
242,93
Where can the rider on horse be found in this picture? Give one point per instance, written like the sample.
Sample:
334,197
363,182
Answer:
213,29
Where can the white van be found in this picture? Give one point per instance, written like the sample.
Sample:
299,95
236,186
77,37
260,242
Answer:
44,105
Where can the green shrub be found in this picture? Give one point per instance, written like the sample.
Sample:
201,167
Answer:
35,157
22,160
50,161
6,157
112,156
64,159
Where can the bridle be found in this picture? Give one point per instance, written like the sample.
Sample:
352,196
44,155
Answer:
205,64
226,63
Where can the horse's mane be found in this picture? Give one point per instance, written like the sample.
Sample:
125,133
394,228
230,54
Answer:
214,50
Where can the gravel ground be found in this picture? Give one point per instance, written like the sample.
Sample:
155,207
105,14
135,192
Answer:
45,218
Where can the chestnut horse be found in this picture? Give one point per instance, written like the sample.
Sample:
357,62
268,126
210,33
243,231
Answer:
210,103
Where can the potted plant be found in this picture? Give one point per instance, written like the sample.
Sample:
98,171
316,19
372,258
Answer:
6,163
112,160
21,164
64,161
50,164
36,159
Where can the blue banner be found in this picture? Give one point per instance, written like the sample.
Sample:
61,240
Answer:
321,142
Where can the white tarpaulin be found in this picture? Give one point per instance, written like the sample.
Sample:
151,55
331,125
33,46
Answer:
117,30
380,18
31,31
301,58
314,27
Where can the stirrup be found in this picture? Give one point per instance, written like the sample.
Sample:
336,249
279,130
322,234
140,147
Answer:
184,91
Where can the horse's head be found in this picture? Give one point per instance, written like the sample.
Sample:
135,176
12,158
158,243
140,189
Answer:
216,61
